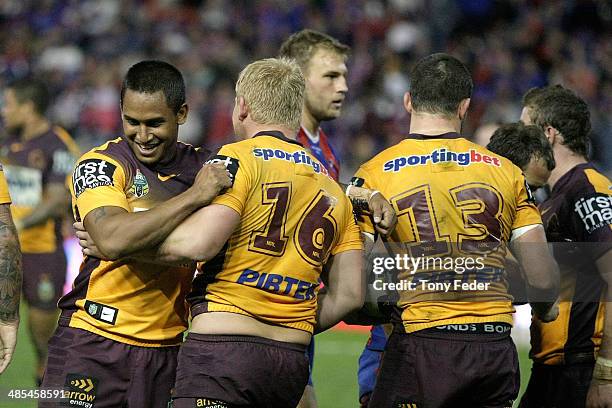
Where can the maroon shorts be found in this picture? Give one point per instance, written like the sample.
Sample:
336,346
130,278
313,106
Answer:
562,386
441,368
44,276
239,371
106,373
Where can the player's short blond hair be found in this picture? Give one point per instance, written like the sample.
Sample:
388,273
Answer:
273,89
302,46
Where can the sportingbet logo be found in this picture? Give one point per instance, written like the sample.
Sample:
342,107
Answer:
595,211
283,285
441,156
299,157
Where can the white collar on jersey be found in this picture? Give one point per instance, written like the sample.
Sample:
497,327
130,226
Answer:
313,138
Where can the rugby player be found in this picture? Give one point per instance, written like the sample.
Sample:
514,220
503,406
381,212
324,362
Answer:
527,148
455,199
38,159
322,59
255,300
572,356
120,326
10,278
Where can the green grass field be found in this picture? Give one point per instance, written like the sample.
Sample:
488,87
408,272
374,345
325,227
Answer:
335,374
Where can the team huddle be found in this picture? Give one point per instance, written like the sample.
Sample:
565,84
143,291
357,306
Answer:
282,251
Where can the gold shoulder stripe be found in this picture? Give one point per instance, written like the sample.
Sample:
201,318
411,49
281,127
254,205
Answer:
600,183
105,145
68,140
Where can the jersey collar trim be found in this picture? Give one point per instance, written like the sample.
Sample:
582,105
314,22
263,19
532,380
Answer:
278,135
448,135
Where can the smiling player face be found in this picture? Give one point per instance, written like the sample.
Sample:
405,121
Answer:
150,126
326,86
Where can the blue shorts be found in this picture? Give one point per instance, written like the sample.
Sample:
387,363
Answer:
370,359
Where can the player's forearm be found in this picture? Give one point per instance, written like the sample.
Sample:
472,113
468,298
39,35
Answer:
10,268
123,234
541,270
47,210
202,235
345,291
333,308
154,256
359,196
55,204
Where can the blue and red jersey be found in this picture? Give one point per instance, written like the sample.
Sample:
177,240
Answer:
322,150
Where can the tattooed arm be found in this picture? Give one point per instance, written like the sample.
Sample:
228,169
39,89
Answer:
10,286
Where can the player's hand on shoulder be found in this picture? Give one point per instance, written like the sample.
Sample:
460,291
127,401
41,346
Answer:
210,181
383,213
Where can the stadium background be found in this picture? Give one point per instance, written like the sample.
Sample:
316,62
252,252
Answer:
83,48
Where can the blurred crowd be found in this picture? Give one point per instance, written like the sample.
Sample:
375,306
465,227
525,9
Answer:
84,47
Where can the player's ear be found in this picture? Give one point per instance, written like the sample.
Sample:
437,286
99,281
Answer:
408,102
181,115
243,109
29,107
551,134
463,107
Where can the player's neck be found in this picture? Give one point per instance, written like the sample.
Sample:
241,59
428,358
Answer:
566,160
256,128
430,124
34,128
309,122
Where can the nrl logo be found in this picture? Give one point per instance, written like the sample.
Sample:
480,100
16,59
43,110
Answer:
92,309
140,187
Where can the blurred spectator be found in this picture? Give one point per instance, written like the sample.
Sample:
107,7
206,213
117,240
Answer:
509,46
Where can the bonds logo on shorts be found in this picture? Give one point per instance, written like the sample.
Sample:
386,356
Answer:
208,403
101,312
80,391
92,173
231,164
140,186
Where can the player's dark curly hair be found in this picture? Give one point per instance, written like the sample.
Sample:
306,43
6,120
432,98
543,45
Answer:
153,76
438,84
33,90
562,109
520,143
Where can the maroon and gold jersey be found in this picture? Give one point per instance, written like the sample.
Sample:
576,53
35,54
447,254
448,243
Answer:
293,217
29,166
5,197
457,205
131,302
578,219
